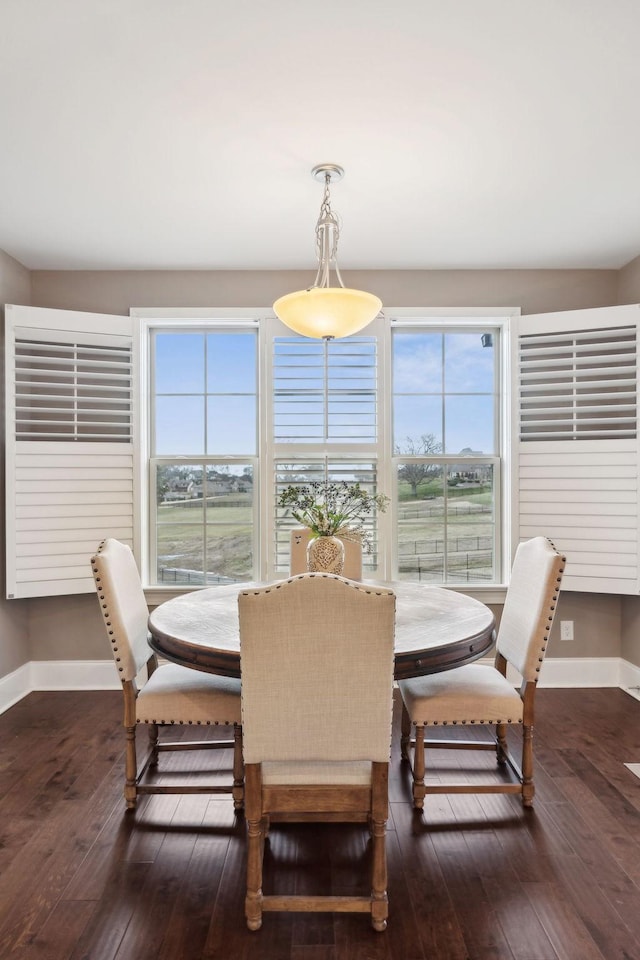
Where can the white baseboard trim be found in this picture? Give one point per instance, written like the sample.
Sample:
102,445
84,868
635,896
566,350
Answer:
74,675
630,678
56,675
580,672
14,686
99,675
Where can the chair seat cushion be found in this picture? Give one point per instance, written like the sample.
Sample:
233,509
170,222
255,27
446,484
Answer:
475,693
316,772
175,694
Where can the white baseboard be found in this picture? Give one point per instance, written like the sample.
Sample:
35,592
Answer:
581,672
73,675
99,675
56,675
630,678
14,686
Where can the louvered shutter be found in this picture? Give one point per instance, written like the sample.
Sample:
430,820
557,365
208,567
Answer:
324,392
70,392
325,424
576,442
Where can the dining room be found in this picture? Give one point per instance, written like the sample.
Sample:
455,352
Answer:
462,184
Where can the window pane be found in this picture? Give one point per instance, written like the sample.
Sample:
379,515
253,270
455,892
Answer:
180,515
230,549
179,361
446,523
335,471
324,391
469,425
231,425
421,528
229,387
414,417
470,523
468,365
179,426
231,363
417,362
204,531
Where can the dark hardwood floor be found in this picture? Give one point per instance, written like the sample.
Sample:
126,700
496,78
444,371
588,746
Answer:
474,877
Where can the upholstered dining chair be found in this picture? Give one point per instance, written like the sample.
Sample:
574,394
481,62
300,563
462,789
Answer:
300,537
172,695
481,694
316,655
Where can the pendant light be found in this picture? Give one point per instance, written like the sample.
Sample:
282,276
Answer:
322,311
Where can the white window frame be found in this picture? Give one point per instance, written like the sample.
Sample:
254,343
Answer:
269,327
454,318
139,504
180,320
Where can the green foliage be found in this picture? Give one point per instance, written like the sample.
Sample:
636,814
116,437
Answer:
330,509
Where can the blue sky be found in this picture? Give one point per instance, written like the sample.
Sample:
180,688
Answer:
205,384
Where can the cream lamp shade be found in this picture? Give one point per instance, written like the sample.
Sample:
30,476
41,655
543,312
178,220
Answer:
327,312
323,311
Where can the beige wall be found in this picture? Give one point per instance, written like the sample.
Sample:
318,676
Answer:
596,626
629,282
70,627
67,628
15,287
534,291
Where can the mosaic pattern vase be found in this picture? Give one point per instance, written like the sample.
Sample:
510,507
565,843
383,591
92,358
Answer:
325,555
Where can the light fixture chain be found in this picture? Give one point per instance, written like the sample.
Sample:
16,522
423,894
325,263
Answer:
327,234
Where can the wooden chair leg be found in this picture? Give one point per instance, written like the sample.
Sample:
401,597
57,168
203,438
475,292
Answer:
379,900
405,734
255,845
418,769
131,768
378,827
528,788
153,744
501,743
253,899
238,769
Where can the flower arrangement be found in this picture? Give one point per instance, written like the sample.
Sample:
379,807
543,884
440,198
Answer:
333,509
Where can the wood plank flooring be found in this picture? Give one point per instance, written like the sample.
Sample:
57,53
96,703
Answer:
474,878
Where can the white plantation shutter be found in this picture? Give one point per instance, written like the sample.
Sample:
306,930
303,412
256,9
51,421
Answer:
324,392
70,393
576,442
292,472
325,425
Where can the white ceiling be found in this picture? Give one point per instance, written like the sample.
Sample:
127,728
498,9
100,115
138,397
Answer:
160,134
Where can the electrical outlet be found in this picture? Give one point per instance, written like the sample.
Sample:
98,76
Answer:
566,629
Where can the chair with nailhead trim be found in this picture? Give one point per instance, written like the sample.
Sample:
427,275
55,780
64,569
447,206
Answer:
481,694
317,659
172,694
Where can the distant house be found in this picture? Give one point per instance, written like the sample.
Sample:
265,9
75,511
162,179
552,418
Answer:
180,490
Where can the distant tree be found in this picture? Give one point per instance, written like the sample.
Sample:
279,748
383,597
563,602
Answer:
162,485
416,473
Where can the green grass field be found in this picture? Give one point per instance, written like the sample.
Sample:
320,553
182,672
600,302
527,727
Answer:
223,529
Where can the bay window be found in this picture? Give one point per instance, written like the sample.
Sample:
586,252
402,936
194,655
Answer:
239,413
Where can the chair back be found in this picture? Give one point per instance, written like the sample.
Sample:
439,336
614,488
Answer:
123,605
530,606
317,660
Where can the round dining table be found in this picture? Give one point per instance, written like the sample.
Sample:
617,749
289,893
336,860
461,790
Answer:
436,629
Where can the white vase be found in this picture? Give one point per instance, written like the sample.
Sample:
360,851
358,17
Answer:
325,555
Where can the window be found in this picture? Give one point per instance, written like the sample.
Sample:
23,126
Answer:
180,429
445,402
204,431
218,460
